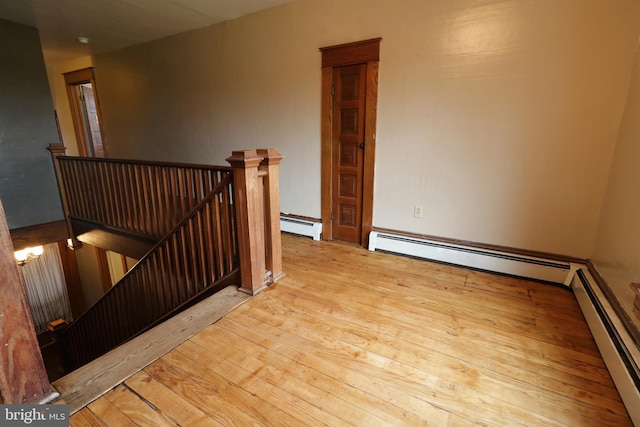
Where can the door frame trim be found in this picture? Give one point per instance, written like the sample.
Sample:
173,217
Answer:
366,51
75,78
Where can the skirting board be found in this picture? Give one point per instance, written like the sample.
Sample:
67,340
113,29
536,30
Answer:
495,261
302,227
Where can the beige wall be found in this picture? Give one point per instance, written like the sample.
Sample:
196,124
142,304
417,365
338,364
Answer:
89,274
616,251
499,117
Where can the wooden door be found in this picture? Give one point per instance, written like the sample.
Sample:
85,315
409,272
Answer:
348,133
348,150
92,121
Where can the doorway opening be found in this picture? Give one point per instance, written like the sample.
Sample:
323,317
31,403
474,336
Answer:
85,110
349,113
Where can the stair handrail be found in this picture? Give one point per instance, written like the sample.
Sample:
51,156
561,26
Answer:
177,270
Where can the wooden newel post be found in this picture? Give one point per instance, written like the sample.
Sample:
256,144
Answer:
247,200
23,377
273,243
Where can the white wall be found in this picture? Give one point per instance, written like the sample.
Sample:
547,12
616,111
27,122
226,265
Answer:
499,117
89,274
616,252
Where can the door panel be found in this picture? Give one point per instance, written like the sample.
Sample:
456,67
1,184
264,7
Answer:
348,143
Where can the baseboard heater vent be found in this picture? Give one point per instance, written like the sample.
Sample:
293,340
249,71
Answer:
302,227
482,259
618,350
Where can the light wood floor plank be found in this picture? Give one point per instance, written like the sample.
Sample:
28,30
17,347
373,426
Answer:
381,313
84,418
266,382
352,338
423,358
109,413
508,363
443,390
169,403
308,383
339,368
136,409
349,286
213,394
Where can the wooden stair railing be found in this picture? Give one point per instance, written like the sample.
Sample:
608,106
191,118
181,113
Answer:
197,258
141,198
228,233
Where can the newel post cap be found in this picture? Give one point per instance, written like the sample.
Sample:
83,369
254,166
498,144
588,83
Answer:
271,156
57,149
244,159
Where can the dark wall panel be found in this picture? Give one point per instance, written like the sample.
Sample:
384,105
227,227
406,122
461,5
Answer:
27,126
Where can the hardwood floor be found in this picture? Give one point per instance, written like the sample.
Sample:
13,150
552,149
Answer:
351,337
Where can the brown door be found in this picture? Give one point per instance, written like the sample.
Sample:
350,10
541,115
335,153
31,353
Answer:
348,150
92,122
348,133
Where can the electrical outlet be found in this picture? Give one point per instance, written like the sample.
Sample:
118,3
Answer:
417,211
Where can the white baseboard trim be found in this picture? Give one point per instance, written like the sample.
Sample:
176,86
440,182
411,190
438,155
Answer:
302,227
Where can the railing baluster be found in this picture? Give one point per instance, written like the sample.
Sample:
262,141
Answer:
140,223
199,185
187,256
131,194
84,190
116,196
189,193
229,237
220,237
176,259
108,197
157,214
146,183
169,198
100,194
180,192
126,206
200,264
161,287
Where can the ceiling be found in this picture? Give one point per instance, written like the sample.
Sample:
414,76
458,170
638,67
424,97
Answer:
114,24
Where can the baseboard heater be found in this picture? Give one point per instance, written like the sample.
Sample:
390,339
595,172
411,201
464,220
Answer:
483,259
617,347
302,227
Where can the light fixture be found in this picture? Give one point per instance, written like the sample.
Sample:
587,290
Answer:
28,254
83,40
